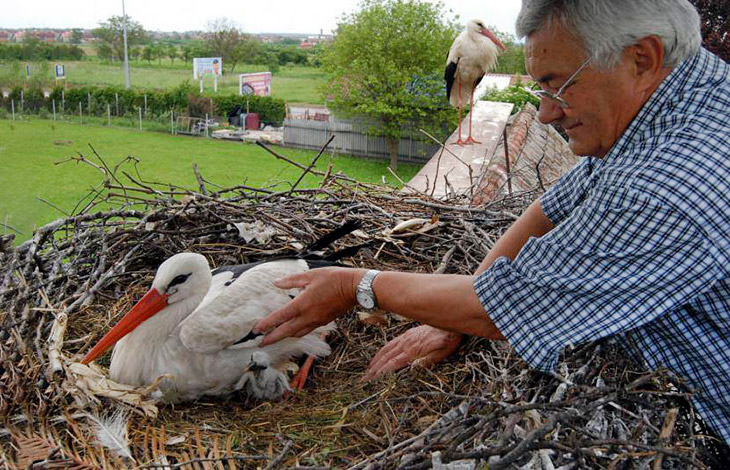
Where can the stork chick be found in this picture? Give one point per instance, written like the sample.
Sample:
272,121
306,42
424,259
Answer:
472,55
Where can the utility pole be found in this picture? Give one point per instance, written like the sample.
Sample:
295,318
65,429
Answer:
127,78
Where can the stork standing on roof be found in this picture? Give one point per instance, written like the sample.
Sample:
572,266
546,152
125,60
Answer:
472,55
195,326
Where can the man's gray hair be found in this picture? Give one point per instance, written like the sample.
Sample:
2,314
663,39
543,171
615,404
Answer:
607,27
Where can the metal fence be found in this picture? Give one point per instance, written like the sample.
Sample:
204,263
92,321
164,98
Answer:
353,139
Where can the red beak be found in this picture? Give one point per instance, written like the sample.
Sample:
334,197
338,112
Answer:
151,303
487,33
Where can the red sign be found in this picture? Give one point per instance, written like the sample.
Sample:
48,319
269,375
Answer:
255,84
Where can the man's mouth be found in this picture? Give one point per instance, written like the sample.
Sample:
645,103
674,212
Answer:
571,126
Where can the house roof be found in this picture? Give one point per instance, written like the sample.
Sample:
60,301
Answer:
538,155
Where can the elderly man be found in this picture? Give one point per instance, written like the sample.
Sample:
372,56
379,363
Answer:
634,241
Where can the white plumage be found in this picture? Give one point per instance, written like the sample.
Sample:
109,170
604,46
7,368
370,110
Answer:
472,55
195,327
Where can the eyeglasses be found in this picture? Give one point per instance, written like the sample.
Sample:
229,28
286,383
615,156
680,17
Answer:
539,94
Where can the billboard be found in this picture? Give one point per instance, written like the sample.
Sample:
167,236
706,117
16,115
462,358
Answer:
207,65
255,84
60,71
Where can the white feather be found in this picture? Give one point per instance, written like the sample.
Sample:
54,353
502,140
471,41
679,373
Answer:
111,432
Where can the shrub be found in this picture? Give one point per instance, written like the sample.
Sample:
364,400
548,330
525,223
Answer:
94,100
514,94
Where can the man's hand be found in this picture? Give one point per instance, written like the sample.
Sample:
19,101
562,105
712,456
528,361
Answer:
327,293
423,345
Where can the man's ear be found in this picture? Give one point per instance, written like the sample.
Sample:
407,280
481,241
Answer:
647,57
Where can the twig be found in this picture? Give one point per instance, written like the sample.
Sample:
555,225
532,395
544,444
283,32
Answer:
313,162
201,183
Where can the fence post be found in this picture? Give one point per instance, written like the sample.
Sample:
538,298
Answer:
206,124
81,116
145,105
116,97
63,101
108,115
140,117
21,101
172,121
54,110
12,107
88,102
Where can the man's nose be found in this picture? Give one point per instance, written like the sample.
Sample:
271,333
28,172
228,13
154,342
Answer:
549,111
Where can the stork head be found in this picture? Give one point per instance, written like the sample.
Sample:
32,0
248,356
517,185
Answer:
180,277
477,27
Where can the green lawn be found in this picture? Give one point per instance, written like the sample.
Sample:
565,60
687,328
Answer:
30,149
291,83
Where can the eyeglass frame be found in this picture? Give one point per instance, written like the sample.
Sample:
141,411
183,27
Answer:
540,94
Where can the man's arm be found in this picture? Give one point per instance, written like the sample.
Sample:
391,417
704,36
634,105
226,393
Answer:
426,345
446,302
532,223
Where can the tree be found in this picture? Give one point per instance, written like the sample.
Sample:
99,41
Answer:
172,53
186,53
159,52
223,36
715,15
386,64
511,61
109,34
135,52
76,36
104,52
246,51
148,53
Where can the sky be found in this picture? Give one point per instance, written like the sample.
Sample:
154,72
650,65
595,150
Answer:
267,16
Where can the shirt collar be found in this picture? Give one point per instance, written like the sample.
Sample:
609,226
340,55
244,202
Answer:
689,74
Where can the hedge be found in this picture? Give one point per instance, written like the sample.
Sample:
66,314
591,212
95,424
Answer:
184,98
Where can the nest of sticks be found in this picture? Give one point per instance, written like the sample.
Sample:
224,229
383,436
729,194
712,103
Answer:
61,290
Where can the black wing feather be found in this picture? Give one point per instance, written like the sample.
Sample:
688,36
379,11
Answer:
450,77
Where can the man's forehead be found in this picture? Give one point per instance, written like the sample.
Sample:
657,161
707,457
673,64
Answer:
551,52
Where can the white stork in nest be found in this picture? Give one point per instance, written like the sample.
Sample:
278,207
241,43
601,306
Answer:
195,326
473,54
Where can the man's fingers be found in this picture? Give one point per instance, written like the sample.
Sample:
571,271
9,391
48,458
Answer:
389,355
386,353
292,328
294,281
393,364
274,319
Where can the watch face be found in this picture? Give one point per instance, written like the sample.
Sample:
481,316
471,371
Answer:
365,300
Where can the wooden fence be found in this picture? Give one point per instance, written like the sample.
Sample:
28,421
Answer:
352,139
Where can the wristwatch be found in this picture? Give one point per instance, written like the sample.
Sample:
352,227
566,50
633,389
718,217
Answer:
365,295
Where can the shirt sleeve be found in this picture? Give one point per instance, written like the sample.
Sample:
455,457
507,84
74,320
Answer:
609,267
567,192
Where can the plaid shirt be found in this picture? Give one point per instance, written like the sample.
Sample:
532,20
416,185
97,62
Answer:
640,248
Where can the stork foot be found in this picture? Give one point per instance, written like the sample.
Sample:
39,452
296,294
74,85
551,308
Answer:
459,141
470,141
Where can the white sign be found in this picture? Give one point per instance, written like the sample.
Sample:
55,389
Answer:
255,84
60,71
207,65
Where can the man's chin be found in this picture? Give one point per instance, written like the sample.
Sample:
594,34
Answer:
578,147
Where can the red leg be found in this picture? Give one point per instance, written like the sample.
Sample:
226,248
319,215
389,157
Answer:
458,85
297,383
300,379
470,140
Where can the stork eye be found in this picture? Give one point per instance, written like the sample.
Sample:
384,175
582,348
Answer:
179,280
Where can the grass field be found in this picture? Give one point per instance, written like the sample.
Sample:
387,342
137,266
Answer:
29,151
297,84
